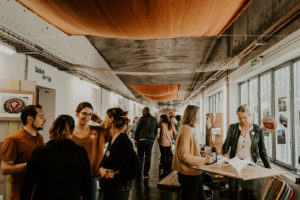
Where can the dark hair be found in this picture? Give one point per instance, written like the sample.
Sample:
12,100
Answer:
166,121
29,111
83,105
62,128
243,108
178,117
120,118
146,110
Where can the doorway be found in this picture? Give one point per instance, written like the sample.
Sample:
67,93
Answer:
46,98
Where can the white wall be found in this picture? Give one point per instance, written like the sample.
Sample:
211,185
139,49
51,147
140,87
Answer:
12,66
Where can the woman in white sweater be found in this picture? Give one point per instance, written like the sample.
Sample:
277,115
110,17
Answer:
187,154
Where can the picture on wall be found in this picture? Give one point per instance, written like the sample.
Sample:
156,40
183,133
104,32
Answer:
12,103
281,136
283,120
282,104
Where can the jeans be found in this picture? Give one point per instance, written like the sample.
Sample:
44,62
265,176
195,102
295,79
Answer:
166,158
191,187
95,192
145,147
120,192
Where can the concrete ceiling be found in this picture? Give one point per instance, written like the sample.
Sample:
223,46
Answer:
191,62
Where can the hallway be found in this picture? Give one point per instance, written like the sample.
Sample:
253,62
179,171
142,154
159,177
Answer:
147,189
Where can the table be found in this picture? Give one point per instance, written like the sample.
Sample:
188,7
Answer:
248,173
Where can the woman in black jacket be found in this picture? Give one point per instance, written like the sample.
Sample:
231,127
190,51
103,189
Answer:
120,163
60,170
246,141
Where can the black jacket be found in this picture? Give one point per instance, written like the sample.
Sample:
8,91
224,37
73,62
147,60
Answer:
60,170
120,156
257,148
146,128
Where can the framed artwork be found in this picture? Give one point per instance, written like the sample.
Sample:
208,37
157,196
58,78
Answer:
13,101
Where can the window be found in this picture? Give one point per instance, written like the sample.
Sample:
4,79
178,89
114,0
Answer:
253,101
297,112
282,114
276,93
266,106
216,103
244,93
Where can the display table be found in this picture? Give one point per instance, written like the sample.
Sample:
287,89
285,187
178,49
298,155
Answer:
248,173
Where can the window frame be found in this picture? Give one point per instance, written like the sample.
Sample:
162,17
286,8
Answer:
291,65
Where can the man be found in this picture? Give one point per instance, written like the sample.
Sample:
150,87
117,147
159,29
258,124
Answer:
133,126
145,135
17,147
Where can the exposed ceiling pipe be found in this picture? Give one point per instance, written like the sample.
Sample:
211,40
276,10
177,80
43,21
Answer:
214,66
281,22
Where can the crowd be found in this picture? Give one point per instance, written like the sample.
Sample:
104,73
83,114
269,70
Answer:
78,155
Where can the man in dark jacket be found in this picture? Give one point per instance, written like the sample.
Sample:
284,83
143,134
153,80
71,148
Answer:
145,135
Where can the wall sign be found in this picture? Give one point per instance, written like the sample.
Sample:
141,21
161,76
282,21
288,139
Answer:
42,72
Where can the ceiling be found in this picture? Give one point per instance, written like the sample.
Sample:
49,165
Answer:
193,62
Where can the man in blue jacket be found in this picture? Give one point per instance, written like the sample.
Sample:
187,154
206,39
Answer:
145,135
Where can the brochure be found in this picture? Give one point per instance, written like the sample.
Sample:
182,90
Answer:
237,163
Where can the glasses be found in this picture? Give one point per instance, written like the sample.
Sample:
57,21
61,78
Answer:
86,114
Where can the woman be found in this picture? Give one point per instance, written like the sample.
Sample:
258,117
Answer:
165,140
92,138
187,154
120,163
246,140
60,169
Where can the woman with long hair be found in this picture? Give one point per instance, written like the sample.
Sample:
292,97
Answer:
165,140
187,154
60,169
120,163
92,138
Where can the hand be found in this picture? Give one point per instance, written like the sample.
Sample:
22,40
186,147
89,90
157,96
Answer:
103,173
209,160
96,118
135,143
226,156
111,174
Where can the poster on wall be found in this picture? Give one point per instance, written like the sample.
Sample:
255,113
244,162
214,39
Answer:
282,104
214,130
283,120
12,103
269,124
281,136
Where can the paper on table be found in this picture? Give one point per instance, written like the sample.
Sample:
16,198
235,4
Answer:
237,163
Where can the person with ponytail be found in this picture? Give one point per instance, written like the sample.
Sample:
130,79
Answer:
60,169
120,163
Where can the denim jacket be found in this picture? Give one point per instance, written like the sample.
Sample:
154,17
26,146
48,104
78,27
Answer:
257,147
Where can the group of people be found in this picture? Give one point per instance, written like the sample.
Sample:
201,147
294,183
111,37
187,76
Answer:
68,166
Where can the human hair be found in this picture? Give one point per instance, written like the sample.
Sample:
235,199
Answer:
178,117
189,116
83,105
29,110
243,108
62,128
166,121
120,117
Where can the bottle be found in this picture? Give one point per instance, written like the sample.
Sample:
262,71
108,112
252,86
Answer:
214,152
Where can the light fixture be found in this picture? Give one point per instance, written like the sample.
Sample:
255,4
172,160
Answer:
4,48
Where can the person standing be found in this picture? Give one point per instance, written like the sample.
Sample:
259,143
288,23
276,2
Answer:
145,135
187,154
120,163
92,138
133,126
165,140
18,147
60,169
246,141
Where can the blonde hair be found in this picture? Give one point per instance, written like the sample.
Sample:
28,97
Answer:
190,115
243,108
